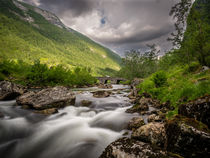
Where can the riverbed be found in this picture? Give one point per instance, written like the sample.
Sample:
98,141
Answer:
74,132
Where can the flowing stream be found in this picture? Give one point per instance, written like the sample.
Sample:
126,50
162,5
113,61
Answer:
74,132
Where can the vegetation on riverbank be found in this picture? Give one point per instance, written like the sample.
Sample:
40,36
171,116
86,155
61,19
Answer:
177,76
39,74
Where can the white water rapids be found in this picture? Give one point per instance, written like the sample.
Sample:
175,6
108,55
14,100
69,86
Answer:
75,132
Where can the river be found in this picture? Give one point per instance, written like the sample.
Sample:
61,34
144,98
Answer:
74,132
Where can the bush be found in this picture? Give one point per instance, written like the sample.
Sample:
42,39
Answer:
41,74
194,66
159,79
2,77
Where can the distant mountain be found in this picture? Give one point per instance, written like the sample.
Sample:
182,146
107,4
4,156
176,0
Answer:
29,33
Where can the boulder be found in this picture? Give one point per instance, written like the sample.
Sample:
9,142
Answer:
187,137
135,123
154,118
142,105
105,86
9,91
101,94
198,109
136,82
1,115
153,133
48,111
131,148
86,102
56,97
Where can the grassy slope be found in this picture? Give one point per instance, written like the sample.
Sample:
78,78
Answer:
184,81
49,43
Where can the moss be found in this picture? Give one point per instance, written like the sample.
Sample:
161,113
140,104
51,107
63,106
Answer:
191,122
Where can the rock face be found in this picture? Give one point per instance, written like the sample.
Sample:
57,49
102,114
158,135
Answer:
135,123
9,91
198,109
131,148
187,137
101,94
153,133
56,97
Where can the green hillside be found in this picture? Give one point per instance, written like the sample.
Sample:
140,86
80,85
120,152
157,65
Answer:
27,35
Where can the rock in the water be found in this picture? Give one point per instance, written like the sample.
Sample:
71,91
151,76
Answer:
105,86
56,97
1,115
154,118
142,105
188,137
198,109
153,133
135,123
48,111
9,91
86,102
131,148
101,94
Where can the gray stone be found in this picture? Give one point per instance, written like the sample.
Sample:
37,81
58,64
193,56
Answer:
9,91
56,97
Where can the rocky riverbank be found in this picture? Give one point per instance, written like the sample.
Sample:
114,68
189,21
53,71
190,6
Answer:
151,134
186,135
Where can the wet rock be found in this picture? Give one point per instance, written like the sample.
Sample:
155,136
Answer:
142,105
56,97
131,148
9,91
136,82
153,133
105,86
198,109
101,94
1,115
48,111
86,102
188,137
135,123
154,118
204,68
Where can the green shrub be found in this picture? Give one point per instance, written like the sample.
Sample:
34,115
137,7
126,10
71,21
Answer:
127,82
159,78
194,66
2,77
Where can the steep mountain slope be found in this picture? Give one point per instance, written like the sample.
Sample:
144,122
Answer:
29,33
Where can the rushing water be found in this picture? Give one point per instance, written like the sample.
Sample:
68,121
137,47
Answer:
75,132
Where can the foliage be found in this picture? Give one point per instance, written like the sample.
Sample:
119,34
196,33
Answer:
2,77
159,78
40,74
139,64
192,67
179,12
194,43
181,86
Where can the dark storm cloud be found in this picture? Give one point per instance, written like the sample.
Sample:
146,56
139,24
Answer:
60,7
118,24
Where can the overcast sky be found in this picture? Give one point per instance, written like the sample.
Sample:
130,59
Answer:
118,24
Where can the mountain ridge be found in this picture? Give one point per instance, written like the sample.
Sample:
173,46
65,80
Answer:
36,32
